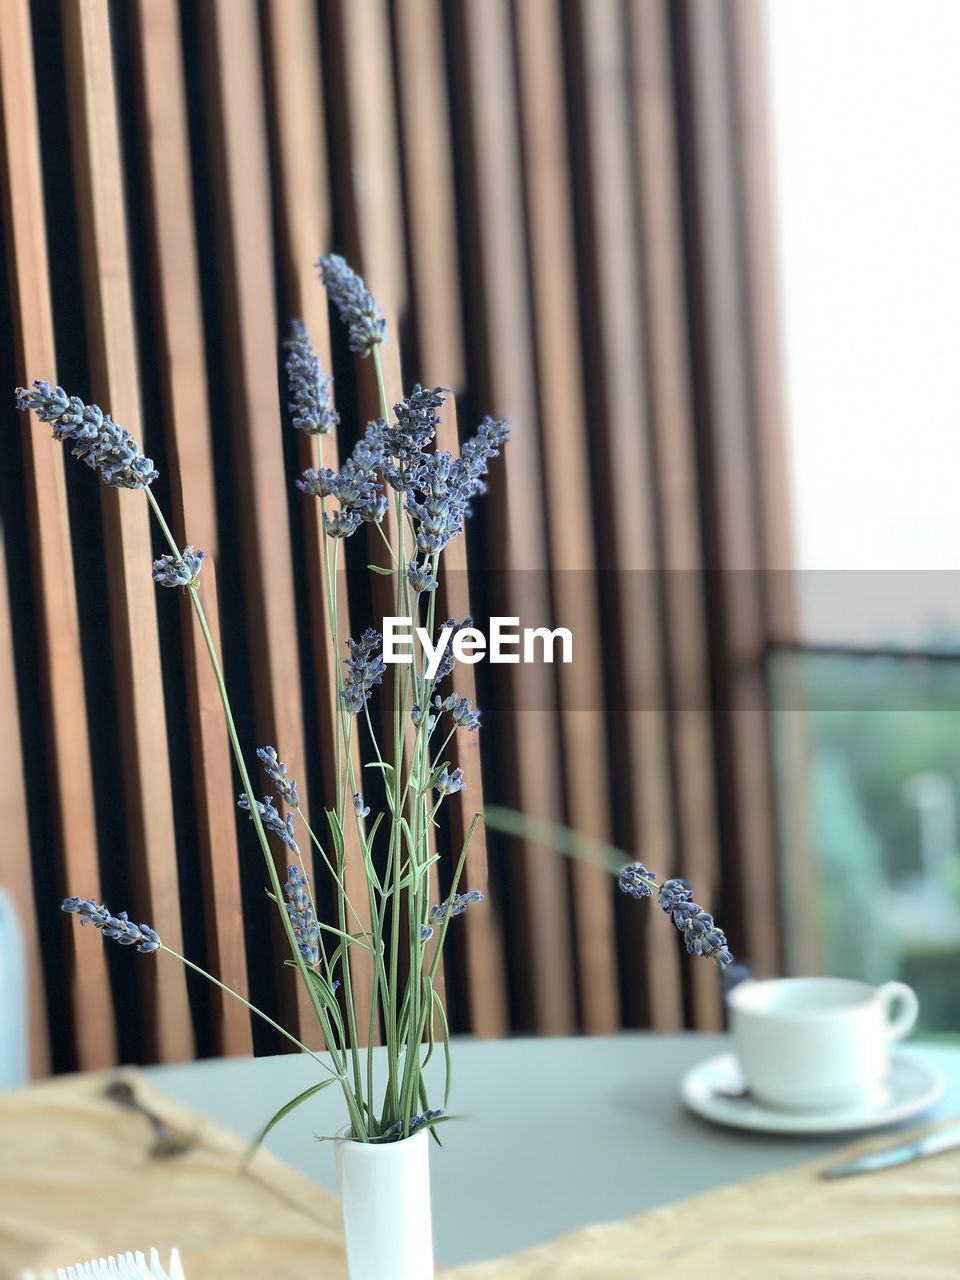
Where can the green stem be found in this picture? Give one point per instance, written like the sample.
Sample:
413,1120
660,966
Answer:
355,1116
330,867
391,1019
246,1003
342,734
599,853
435,963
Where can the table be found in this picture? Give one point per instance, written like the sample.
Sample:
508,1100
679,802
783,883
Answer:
554,1133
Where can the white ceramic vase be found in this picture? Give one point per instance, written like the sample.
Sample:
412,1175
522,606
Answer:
385,1198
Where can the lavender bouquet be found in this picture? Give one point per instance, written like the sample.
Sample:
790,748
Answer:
416,498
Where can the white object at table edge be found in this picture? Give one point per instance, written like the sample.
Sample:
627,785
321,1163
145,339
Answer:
911,1087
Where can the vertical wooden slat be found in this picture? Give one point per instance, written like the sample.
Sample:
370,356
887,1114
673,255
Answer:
371,207
619,413
734,534
64,705
110,330
566,468
792,750
429,193
757,239
482,941
594,266
674,450
304,228
182,362
502,355
238,142
371,216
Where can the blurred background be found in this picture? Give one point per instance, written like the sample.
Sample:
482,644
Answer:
702,253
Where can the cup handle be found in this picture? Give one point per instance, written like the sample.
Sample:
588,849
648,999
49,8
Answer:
899,1024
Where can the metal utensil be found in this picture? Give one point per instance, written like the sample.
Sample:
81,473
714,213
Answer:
932,1144
165,1142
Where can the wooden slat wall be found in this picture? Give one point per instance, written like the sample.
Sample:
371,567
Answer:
561,206
674,453
501,364
304,212
62,694
177,304
482,935
559,381
106,266
236,100
722,349
628,528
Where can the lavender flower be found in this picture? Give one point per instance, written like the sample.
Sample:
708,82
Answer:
700,932
461,710
356,486
486,443
420,577
271,819
310,400
118,928
317,483
637,881
416,1122
426,933
302,916
366,327
448,784
283,784
440,487
343,523
97,440
415,429
179,571
362,810
673,897
416,715
366,670
435,502
454,906
704,938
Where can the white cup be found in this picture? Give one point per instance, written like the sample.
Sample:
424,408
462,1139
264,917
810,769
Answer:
817,1043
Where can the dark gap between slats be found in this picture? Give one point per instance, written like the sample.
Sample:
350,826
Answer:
318,746
632,924
568,764
685,969
234,618
723,755
492,693
169,603
410,354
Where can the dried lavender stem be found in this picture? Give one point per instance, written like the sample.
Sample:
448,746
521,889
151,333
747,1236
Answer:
318,1008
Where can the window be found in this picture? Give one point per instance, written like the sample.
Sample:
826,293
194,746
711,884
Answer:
865,110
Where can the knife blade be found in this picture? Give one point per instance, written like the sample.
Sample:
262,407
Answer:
931,1144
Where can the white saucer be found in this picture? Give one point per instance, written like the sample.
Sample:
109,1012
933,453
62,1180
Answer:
911,1087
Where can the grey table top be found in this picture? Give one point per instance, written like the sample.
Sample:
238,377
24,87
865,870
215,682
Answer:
553,1134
